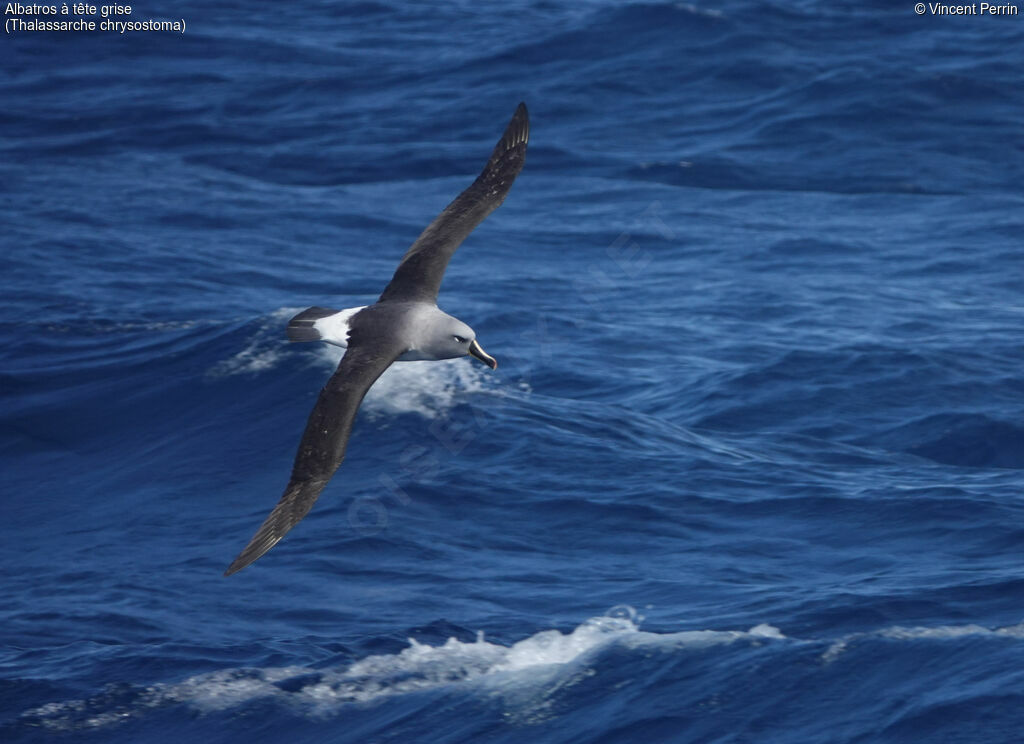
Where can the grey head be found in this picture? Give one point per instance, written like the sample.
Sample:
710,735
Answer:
434,334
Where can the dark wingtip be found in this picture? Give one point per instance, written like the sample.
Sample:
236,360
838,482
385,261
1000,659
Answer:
238,564
261,542
298,499
264,539
241,562
518,130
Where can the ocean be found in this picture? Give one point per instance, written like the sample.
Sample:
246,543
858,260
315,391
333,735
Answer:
750,469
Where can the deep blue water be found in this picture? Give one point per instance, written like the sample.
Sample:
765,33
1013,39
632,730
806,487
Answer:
751,468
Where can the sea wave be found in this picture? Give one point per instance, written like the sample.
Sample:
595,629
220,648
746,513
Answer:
524,676
480,667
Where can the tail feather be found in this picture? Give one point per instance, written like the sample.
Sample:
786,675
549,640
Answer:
301,327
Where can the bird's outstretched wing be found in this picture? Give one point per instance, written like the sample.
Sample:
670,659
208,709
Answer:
419,275
323,444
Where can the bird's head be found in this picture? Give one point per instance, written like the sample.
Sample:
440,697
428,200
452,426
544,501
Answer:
451,338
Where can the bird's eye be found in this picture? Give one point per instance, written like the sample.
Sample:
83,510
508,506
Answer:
459,339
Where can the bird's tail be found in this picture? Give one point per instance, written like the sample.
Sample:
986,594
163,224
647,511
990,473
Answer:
301,327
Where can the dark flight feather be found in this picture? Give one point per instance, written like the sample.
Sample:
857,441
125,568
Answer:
419,275
323,443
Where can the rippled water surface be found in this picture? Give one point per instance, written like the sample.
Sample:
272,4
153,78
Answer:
751,468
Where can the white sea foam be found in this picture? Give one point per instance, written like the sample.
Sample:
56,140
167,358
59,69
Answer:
253,358
706,12
262,352
429,389
521,674
935,633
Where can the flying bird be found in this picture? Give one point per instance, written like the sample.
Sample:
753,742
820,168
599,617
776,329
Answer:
404,324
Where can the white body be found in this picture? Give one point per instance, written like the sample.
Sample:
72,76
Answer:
334,329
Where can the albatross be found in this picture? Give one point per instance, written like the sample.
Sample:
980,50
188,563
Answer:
405,324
